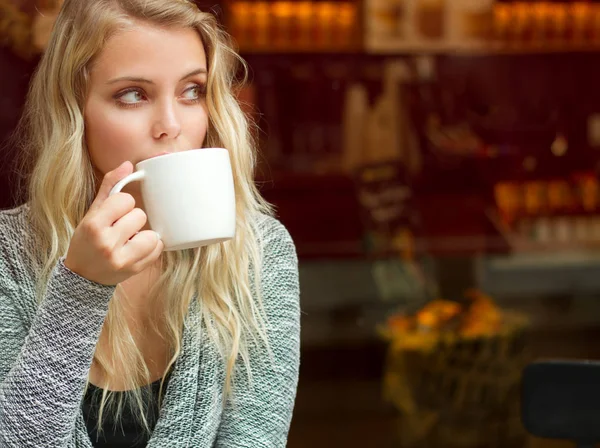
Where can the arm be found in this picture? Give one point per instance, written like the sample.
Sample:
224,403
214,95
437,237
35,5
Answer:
41,395
43,371
259,415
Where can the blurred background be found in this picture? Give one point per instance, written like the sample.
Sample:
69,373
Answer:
436,162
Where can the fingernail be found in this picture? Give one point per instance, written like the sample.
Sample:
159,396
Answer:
124,164
157,235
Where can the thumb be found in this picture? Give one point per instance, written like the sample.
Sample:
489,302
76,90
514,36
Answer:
110,180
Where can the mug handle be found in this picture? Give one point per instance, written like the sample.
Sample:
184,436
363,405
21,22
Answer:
138,175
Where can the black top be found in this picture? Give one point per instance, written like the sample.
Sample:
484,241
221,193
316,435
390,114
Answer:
128,432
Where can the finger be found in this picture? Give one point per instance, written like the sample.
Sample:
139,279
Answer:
114,208
110,180
139,247
130,224
148,260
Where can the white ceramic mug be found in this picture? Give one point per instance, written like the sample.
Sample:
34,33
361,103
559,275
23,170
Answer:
189,196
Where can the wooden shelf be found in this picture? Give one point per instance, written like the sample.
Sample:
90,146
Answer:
300,50
432,48
475,48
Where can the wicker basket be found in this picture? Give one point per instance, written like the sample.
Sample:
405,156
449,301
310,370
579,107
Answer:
455,391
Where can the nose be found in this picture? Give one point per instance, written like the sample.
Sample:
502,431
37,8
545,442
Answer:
166,123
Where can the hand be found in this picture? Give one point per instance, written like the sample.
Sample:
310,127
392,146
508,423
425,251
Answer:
108,245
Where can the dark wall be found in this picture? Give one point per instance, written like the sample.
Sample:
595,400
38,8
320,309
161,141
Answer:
14,81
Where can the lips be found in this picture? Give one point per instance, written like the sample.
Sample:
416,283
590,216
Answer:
161,154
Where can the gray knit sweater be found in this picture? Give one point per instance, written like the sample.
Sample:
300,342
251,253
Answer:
46,352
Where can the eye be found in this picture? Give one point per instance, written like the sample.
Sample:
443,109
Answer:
130,97
194,92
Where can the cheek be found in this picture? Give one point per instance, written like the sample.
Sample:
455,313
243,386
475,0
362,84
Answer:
110,138
194,128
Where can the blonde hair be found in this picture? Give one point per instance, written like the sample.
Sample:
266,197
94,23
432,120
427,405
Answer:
61,186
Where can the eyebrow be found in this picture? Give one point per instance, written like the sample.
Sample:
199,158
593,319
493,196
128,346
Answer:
147,81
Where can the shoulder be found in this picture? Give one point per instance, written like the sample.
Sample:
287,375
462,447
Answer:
13,232
272,234
279,273
16,274
277,248
13,216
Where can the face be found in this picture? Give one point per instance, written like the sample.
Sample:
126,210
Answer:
146,96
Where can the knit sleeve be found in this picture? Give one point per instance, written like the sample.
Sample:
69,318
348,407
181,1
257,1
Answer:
259,413
44,368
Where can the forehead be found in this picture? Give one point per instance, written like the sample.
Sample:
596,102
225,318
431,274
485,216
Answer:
150,50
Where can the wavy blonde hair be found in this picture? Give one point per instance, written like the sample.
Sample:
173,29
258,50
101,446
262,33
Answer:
60,186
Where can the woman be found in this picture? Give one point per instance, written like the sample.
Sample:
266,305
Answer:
106,340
